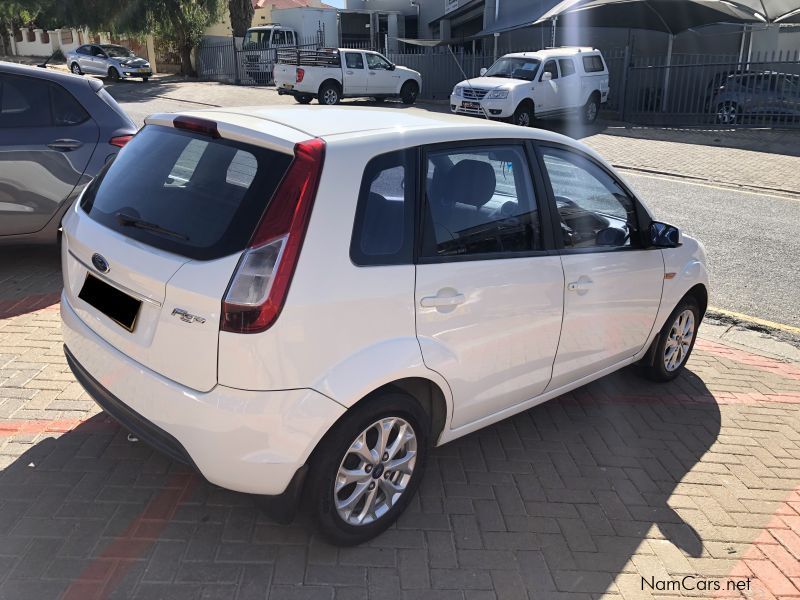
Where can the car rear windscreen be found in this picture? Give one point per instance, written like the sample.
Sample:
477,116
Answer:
186,193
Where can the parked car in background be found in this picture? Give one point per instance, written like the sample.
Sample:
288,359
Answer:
331,74
56,132
108,60
310,299
525,86
763,95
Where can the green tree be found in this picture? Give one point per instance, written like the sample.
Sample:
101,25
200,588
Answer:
241,12
15,14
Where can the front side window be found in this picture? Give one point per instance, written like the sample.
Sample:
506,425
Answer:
384,224
550,67
479,201
354,60
567,66
376,61
97,51
595,211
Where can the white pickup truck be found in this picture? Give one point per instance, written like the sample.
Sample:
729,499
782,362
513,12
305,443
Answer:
524,86
331,74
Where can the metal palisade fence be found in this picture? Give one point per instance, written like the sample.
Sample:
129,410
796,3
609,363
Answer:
693,89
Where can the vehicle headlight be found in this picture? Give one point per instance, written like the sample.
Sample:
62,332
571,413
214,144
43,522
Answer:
458,91
498,94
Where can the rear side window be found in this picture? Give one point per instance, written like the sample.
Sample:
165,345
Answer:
479,202
187,194
354,60
384,223
567,66
593,64
32,102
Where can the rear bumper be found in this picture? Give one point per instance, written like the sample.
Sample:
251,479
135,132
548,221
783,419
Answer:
248,441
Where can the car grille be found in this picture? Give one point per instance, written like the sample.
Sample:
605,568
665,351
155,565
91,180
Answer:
474,93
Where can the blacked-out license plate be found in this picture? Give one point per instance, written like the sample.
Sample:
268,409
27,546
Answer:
113,303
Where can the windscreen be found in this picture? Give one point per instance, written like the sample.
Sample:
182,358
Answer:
186,193
117,51
256,38
514,68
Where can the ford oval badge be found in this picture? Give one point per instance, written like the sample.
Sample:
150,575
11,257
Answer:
100,263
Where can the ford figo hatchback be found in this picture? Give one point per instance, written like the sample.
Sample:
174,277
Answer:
307,299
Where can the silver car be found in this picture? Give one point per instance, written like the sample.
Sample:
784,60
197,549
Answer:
108,60
57,131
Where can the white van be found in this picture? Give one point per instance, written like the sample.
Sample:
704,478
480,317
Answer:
525,86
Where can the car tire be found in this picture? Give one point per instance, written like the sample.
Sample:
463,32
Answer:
75,68
409,92
371,510
329,94
523,115
304,99
728,113
672,348
590,110
379,99
145,79
113,74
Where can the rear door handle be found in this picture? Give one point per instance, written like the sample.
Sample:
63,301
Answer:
583,285
349,72
442,301
64,145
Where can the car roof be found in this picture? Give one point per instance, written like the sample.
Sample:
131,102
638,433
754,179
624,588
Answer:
298,123
62,77
551,52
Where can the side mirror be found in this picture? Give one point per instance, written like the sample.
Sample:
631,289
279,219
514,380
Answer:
611,236
547,76
391,67
663,235
483,71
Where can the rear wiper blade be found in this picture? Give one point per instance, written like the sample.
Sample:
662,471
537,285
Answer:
129,221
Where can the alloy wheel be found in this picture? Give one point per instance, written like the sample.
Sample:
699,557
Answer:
679,340
375,471
727,114
75,69
330,96
524,119
591,112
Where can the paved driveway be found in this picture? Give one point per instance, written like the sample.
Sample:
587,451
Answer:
617,490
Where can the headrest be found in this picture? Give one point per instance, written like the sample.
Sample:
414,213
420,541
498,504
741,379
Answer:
470,182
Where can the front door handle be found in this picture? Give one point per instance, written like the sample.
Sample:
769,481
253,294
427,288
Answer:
64,145
442,301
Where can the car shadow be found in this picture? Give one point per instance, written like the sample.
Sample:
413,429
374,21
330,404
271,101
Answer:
556,499
30,279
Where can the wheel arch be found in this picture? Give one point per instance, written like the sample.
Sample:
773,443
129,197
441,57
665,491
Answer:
330,80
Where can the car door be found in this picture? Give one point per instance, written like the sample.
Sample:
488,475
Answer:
83,58
613,286
545,93
99,61
569,84
46,141
354,75
381,79
489,294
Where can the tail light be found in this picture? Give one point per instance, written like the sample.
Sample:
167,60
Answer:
300,74
120,140
258,288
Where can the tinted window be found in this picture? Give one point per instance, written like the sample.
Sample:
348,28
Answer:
550,67
354,60
383,230
278,37
208,193
589,201
375,61
66,110
567,66
32,102
593,64
83,50
479,201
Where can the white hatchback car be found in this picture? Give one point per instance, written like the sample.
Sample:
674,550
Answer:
309,297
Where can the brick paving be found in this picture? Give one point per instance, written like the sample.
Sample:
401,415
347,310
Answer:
583,497
763,160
